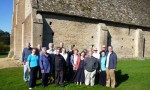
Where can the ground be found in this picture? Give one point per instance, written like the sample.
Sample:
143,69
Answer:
130,75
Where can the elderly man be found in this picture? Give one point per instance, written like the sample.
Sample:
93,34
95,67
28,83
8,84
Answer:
51,49
103,49
61,45
60,64
111,64
26,52
52,53
45,66
90,67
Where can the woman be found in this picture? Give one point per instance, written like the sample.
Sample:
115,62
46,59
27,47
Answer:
79,76
45,66
73,60
102,70
32,67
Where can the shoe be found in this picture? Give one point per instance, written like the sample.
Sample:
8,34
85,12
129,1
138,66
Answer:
30,88
80,83
77,83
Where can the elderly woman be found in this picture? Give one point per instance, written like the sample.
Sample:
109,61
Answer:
32,67
79,76
45,66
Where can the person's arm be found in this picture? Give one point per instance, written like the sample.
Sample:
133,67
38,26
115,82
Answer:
28,62
23,55
115,61
71,60
41,63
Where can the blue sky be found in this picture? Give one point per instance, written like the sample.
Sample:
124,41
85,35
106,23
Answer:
6,10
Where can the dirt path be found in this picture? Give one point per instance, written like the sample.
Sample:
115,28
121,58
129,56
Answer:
7,63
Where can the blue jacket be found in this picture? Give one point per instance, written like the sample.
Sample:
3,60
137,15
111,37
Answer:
26,52
112,60
45,63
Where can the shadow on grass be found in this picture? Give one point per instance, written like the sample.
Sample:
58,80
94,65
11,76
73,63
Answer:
120,78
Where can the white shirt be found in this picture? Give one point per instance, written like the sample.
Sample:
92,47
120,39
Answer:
96,55
75,58
51,51
107,63
65,55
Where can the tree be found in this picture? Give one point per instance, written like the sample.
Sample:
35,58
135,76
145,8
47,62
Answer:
4,37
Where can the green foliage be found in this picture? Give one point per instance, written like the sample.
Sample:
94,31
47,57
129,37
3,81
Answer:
130,75
4,37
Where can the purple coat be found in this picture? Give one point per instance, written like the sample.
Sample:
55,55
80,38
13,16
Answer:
45,63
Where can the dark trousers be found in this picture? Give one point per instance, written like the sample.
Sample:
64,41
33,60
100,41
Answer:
39,75
45,79
102,78
59,77
71,74
33,76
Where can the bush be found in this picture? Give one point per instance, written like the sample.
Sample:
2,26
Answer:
4,48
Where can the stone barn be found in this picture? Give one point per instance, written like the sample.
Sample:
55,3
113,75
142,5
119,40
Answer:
124,24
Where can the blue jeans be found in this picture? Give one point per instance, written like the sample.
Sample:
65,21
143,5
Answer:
26,73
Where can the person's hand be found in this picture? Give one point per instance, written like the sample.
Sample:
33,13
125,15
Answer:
42,71
99,70
29,70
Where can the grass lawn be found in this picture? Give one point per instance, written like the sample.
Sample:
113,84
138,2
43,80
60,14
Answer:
130,75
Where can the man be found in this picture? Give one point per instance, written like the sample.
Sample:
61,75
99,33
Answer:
26,52
45,66
95,54
103,49
90,66
111,64
52,53
38,53
51,49
59,68
70,53
61,45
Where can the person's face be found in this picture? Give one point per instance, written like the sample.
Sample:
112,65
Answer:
34,51
57,51
75,52
83,54
61,45
110,49
103,53
44,50
63,50
95,51
28,45
90,49
39,46
51,45
90,53
103,48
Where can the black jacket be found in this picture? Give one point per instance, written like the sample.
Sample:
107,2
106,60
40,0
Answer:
60,63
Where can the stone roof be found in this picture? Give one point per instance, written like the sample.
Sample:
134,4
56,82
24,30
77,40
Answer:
134,12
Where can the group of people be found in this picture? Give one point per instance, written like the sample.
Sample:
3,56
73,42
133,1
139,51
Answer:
58,65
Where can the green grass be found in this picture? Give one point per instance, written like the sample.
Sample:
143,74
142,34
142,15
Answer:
130,75
3,55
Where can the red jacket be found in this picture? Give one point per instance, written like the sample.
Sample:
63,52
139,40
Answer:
77,63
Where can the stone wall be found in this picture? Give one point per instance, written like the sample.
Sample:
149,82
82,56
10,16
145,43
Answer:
27,31
147,43
28,8
20,12
71,31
